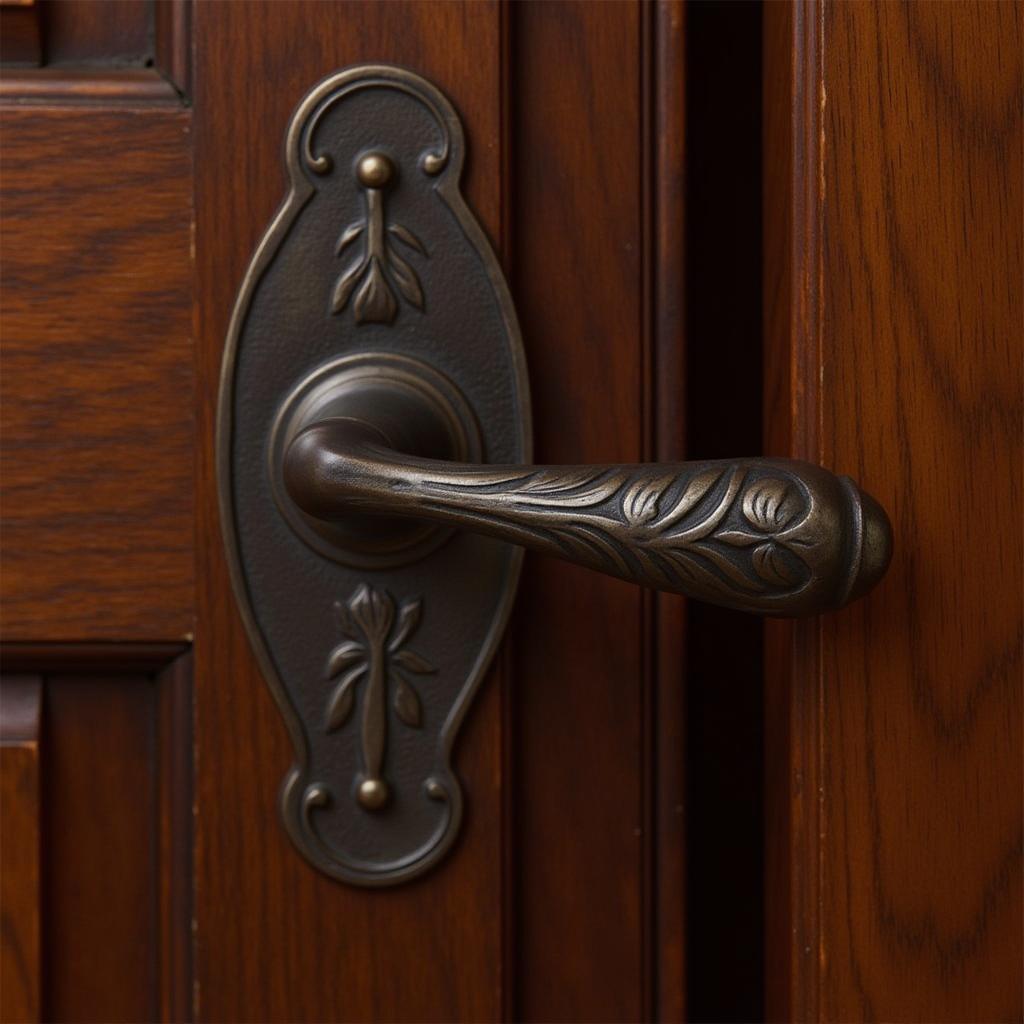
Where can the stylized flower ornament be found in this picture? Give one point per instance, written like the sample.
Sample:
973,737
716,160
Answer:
677,533
769,506
375,651
381,264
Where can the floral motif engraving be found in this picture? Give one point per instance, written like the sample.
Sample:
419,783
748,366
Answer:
374,649
380,269
769,506
375,300
714,534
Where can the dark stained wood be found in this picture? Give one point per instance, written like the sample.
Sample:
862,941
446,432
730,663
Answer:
276,940
582,679
20,34
892,205
791,221
96,842
100,865
96,393
96,32
99,86
172,32
905,887
549,907
665,399
105,657
109,86
82,32
20,978
174,838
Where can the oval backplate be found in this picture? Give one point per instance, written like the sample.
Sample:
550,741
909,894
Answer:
347,269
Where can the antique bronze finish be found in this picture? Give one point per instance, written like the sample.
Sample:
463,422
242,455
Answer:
374,294
376,484
772,536
412,404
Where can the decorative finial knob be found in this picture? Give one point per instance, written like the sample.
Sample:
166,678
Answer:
374,170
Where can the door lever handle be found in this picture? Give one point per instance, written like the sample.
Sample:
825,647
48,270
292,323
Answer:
772,536
374,421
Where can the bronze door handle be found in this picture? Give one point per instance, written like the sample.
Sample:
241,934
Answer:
374,422
771,536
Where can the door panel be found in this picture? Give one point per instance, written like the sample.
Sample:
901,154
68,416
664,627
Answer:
583,681
97,807
98,575
543,910
20,844
96,395
904,366
619,174
277,940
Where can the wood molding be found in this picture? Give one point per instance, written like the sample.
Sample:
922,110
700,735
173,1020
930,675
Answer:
75,658
665,618
895,840
96,415
172,32
20,892
174,838
792,339
92,86
110,792
20,34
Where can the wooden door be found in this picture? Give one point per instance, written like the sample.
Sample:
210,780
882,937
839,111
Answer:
708,214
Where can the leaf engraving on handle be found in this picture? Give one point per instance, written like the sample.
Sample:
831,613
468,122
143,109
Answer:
714,531
767,504
695,489
640,501
771,566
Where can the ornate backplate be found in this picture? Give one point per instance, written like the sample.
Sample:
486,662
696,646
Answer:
372,656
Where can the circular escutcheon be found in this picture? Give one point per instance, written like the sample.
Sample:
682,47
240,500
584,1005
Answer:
418,410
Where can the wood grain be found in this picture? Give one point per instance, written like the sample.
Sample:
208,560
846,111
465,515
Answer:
172,42
104,657
548,908
173,941
96,394
96,838
101,869
20,35
81,32
276,940
907,707
665,398
582,680
102,87
20,892
791,305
